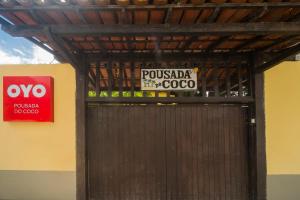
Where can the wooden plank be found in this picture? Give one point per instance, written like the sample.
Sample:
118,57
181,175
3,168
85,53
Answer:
240,85
213,100
110,78
203,81
227,163
132,79
216,81
98,80
279,57
121,78
81,181
228,84
288,28
214,15
171,149
260,153
142,174
59,44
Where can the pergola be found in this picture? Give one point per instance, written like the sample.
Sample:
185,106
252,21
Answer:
109,41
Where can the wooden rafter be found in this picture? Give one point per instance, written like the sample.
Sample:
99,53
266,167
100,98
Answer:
277,58
59,43
277,42
218,42
246,43
256,15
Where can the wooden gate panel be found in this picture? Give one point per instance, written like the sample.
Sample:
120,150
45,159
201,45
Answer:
126,153
167,152
206,152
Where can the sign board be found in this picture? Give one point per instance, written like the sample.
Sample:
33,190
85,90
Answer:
169,79
28,98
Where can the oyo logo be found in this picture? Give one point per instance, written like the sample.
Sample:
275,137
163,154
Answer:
37,90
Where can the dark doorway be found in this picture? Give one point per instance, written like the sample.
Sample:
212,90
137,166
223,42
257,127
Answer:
148,152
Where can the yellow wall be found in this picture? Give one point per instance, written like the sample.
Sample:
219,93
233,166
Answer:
51,146
282,102
36,145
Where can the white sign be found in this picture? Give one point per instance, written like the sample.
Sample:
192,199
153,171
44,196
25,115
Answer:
169,79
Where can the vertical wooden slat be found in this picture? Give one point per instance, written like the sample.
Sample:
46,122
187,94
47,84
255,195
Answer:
203,81
121,149
97,79
211,125
226,132
244,146
156,159
121,69
216,81
238,159
194,149
152,178
240,85
228,84
132,79
221,150
144,92
250,80
110,78
90,172
103,124
206,145
233,141
199,151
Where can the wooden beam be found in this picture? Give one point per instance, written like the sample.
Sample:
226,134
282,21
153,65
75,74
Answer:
36,42
82,18
256,15
37,19
242,100
152,57
168,15
260,165
81,179
59,44
279,57
3,22
214,15
260,28
43,46
146,7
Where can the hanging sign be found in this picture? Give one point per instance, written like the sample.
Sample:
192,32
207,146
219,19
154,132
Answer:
28,98
169,79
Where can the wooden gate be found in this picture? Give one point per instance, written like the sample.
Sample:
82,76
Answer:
152,152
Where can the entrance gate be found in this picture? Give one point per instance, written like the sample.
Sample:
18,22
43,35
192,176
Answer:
147,152
109,42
